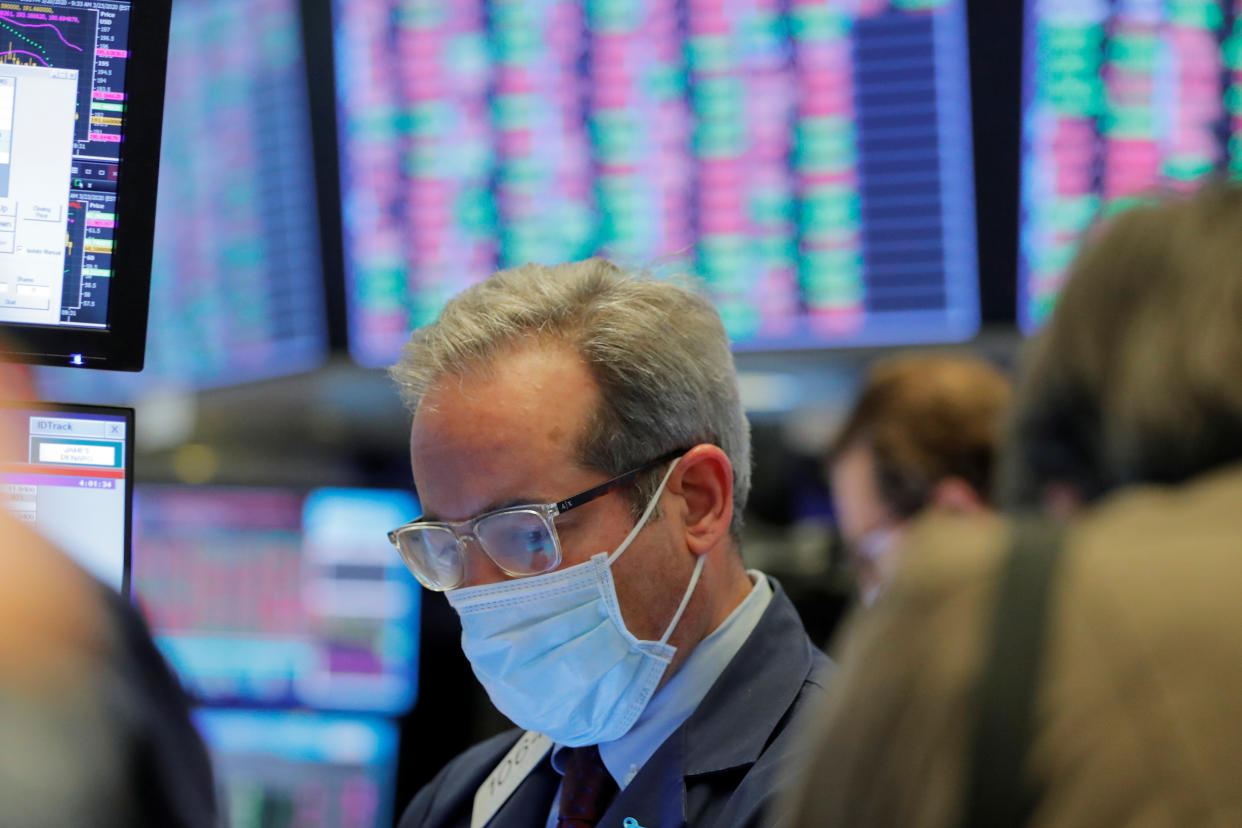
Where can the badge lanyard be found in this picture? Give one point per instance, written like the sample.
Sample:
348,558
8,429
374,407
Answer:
505,778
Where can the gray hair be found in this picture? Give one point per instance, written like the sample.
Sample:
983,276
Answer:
658,353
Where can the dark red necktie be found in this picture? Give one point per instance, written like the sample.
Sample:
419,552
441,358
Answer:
586,790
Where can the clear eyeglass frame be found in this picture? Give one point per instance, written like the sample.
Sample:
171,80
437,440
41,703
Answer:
434,551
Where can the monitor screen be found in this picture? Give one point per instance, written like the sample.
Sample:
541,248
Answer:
70,475
306,769
237,281
809,162
272,597
1119,99
81,92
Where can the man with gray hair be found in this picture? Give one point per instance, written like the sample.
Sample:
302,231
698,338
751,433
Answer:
581,454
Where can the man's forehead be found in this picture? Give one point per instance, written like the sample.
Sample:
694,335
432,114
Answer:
479,438
534,392
488,429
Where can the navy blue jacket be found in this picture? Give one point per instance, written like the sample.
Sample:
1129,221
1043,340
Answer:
722,767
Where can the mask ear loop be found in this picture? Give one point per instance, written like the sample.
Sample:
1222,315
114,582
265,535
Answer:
685,599
642,521
638,527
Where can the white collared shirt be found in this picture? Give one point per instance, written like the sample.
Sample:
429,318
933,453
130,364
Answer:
675,701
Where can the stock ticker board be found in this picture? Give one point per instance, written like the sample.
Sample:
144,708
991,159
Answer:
810,166
1120,99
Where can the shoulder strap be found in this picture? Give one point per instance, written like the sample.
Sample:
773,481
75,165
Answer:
998,793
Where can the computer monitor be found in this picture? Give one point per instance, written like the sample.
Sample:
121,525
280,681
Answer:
306,769
81,99
237,290
277,598
71,478
809,162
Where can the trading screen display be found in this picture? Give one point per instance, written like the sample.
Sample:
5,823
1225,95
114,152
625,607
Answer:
270,597
808,162
62,119
309,770
1120,98
237,280
66,476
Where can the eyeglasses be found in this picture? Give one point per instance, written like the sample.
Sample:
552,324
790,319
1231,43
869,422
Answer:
520,540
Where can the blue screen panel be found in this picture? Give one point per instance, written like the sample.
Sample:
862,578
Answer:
236,284
309,770
269,597
809,162
363,600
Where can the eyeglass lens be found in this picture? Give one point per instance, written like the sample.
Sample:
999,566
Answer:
431,553
519,542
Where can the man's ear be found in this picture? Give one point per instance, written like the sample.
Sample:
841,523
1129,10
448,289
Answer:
704,481
955,495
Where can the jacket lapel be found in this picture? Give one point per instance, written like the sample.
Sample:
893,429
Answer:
533,800
657,795
758,688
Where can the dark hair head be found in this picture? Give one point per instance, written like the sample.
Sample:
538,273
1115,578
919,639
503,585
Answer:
926,418
1138,375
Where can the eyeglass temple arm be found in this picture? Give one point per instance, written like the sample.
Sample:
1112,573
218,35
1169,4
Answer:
608,485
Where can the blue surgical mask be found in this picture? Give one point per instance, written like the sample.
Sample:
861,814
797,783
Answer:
553,651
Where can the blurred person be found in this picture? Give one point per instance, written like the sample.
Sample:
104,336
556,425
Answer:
96,731
924,431
581,453
1119,706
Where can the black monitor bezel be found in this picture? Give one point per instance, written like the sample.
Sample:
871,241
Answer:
121,346
105,411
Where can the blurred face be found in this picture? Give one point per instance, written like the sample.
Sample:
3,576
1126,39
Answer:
870,530
16,383
480,443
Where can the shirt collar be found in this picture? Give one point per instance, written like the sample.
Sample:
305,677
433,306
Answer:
677,699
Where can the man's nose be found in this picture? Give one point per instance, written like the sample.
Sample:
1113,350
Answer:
480,569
